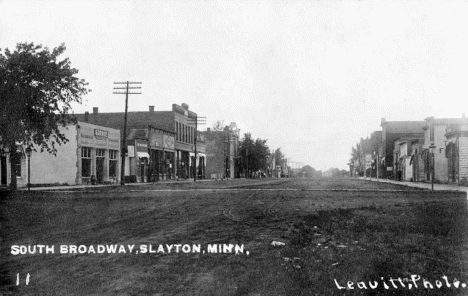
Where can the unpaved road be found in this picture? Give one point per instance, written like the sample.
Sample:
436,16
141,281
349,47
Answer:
342,229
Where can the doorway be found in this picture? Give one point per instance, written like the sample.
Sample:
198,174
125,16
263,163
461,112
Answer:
100,165
100,169
3,175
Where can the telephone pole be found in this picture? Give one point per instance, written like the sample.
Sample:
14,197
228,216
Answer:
127,88
196,121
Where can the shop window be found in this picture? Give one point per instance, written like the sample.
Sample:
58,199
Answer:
18,167
113,163
86,162
100,153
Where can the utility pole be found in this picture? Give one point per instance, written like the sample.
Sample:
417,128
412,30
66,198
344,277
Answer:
196,121
224,154
247,157
432,146
128,86
378,164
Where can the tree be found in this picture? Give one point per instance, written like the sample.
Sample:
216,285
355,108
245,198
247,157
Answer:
253,154
355,160
279,157
335,172
218,125
261,153
308,171
36,92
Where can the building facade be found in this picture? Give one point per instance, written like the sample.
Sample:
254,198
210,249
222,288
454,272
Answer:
150,156
391,131
92,155
222,148
456,150
160,144
370,150
435,132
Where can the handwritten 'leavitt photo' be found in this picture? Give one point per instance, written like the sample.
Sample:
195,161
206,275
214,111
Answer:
234,147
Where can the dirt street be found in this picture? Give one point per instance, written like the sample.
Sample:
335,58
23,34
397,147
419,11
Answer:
180,239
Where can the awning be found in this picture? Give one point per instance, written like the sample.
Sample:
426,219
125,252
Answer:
143,154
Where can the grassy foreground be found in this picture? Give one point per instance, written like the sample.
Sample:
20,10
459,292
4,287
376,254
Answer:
330,238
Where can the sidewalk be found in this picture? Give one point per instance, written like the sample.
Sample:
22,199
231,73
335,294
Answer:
74,187
438,187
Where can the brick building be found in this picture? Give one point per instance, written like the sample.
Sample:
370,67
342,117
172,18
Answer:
160,144
222,152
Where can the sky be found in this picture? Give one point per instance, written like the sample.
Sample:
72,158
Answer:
311,77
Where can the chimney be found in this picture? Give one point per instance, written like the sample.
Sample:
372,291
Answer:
463,115
151,109
185,106
95,110
382,121
86,116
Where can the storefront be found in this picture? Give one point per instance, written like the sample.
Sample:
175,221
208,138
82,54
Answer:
142,160
99,151
199,160
161,154
91,156
183,163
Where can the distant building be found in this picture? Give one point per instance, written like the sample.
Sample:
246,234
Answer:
370,151
405,162
392,130
222,152
92,155
417,160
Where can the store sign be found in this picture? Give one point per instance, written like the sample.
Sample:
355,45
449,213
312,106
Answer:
141,146
131,151
87,136
168,142
101,133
